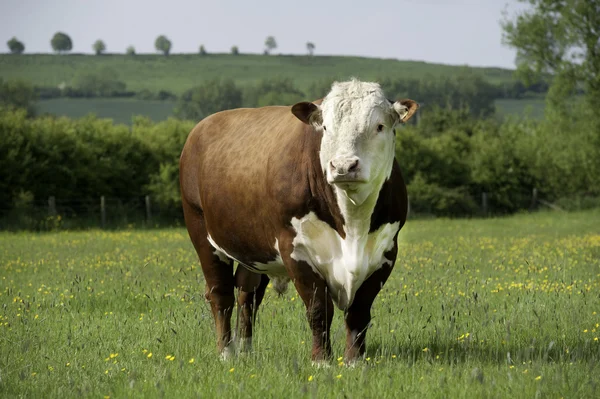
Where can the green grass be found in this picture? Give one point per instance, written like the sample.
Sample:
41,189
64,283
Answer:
119,109
122,110
474,308
180,72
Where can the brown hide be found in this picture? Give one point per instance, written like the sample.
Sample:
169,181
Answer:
244,174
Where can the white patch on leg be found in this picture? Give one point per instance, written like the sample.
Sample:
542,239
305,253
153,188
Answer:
321,364
228,352
245,345
352,363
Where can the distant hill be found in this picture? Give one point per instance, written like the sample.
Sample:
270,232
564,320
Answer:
179,72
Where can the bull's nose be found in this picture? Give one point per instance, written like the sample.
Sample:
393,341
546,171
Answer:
353,166
343,166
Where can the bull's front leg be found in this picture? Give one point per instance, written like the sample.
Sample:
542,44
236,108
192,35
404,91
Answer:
358,315
313,290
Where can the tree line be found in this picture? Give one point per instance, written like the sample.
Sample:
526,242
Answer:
467,90
448,160
62,43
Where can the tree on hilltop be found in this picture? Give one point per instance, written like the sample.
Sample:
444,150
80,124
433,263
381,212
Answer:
15,46
270,44
163,44
99,47
310,46
61,42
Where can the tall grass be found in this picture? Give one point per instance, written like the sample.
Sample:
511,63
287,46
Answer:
474,308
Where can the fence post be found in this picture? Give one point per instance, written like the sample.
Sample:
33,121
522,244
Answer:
103,211
484,203
148,210
534,199
52,205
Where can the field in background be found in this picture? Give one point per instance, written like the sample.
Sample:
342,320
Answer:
179,72
121,110
504,307
530,107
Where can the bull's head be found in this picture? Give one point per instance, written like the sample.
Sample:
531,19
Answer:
357,122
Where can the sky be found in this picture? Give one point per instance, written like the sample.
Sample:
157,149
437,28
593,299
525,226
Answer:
458,32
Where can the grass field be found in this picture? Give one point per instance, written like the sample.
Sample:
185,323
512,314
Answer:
121,110
179,72
474,308
530,107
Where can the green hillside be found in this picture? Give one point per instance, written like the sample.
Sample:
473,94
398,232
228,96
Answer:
179,72
122,110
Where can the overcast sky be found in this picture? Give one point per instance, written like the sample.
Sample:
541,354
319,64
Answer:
442,31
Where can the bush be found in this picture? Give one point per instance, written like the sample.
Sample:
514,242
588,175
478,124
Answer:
447,162
17,94
82,159
104,83
162,95
213,96
277,91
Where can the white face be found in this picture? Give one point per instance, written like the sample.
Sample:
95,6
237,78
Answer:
357,122
357,150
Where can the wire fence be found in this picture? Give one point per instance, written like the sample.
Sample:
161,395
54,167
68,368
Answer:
143,212
102,212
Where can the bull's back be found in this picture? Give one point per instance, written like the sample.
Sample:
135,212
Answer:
238,168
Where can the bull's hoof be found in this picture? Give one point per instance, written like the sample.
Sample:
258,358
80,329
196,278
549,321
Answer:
228,352
321,364
244,346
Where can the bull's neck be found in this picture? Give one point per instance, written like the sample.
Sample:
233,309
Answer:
357,209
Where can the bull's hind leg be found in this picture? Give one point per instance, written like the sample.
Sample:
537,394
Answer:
251,290
218,273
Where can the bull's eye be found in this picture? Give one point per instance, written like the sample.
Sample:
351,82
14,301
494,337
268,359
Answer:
380,128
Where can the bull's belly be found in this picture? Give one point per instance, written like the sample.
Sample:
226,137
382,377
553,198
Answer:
273,268
343,263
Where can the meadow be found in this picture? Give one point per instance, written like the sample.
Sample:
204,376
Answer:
120,110
506,307
179,72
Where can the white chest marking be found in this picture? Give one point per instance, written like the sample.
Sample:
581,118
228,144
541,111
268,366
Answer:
344,263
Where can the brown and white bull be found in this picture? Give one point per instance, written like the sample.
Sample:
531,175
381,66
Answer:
310,193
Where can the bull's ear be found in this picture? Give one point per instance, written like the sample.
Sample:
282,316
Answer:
308,113
405,109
